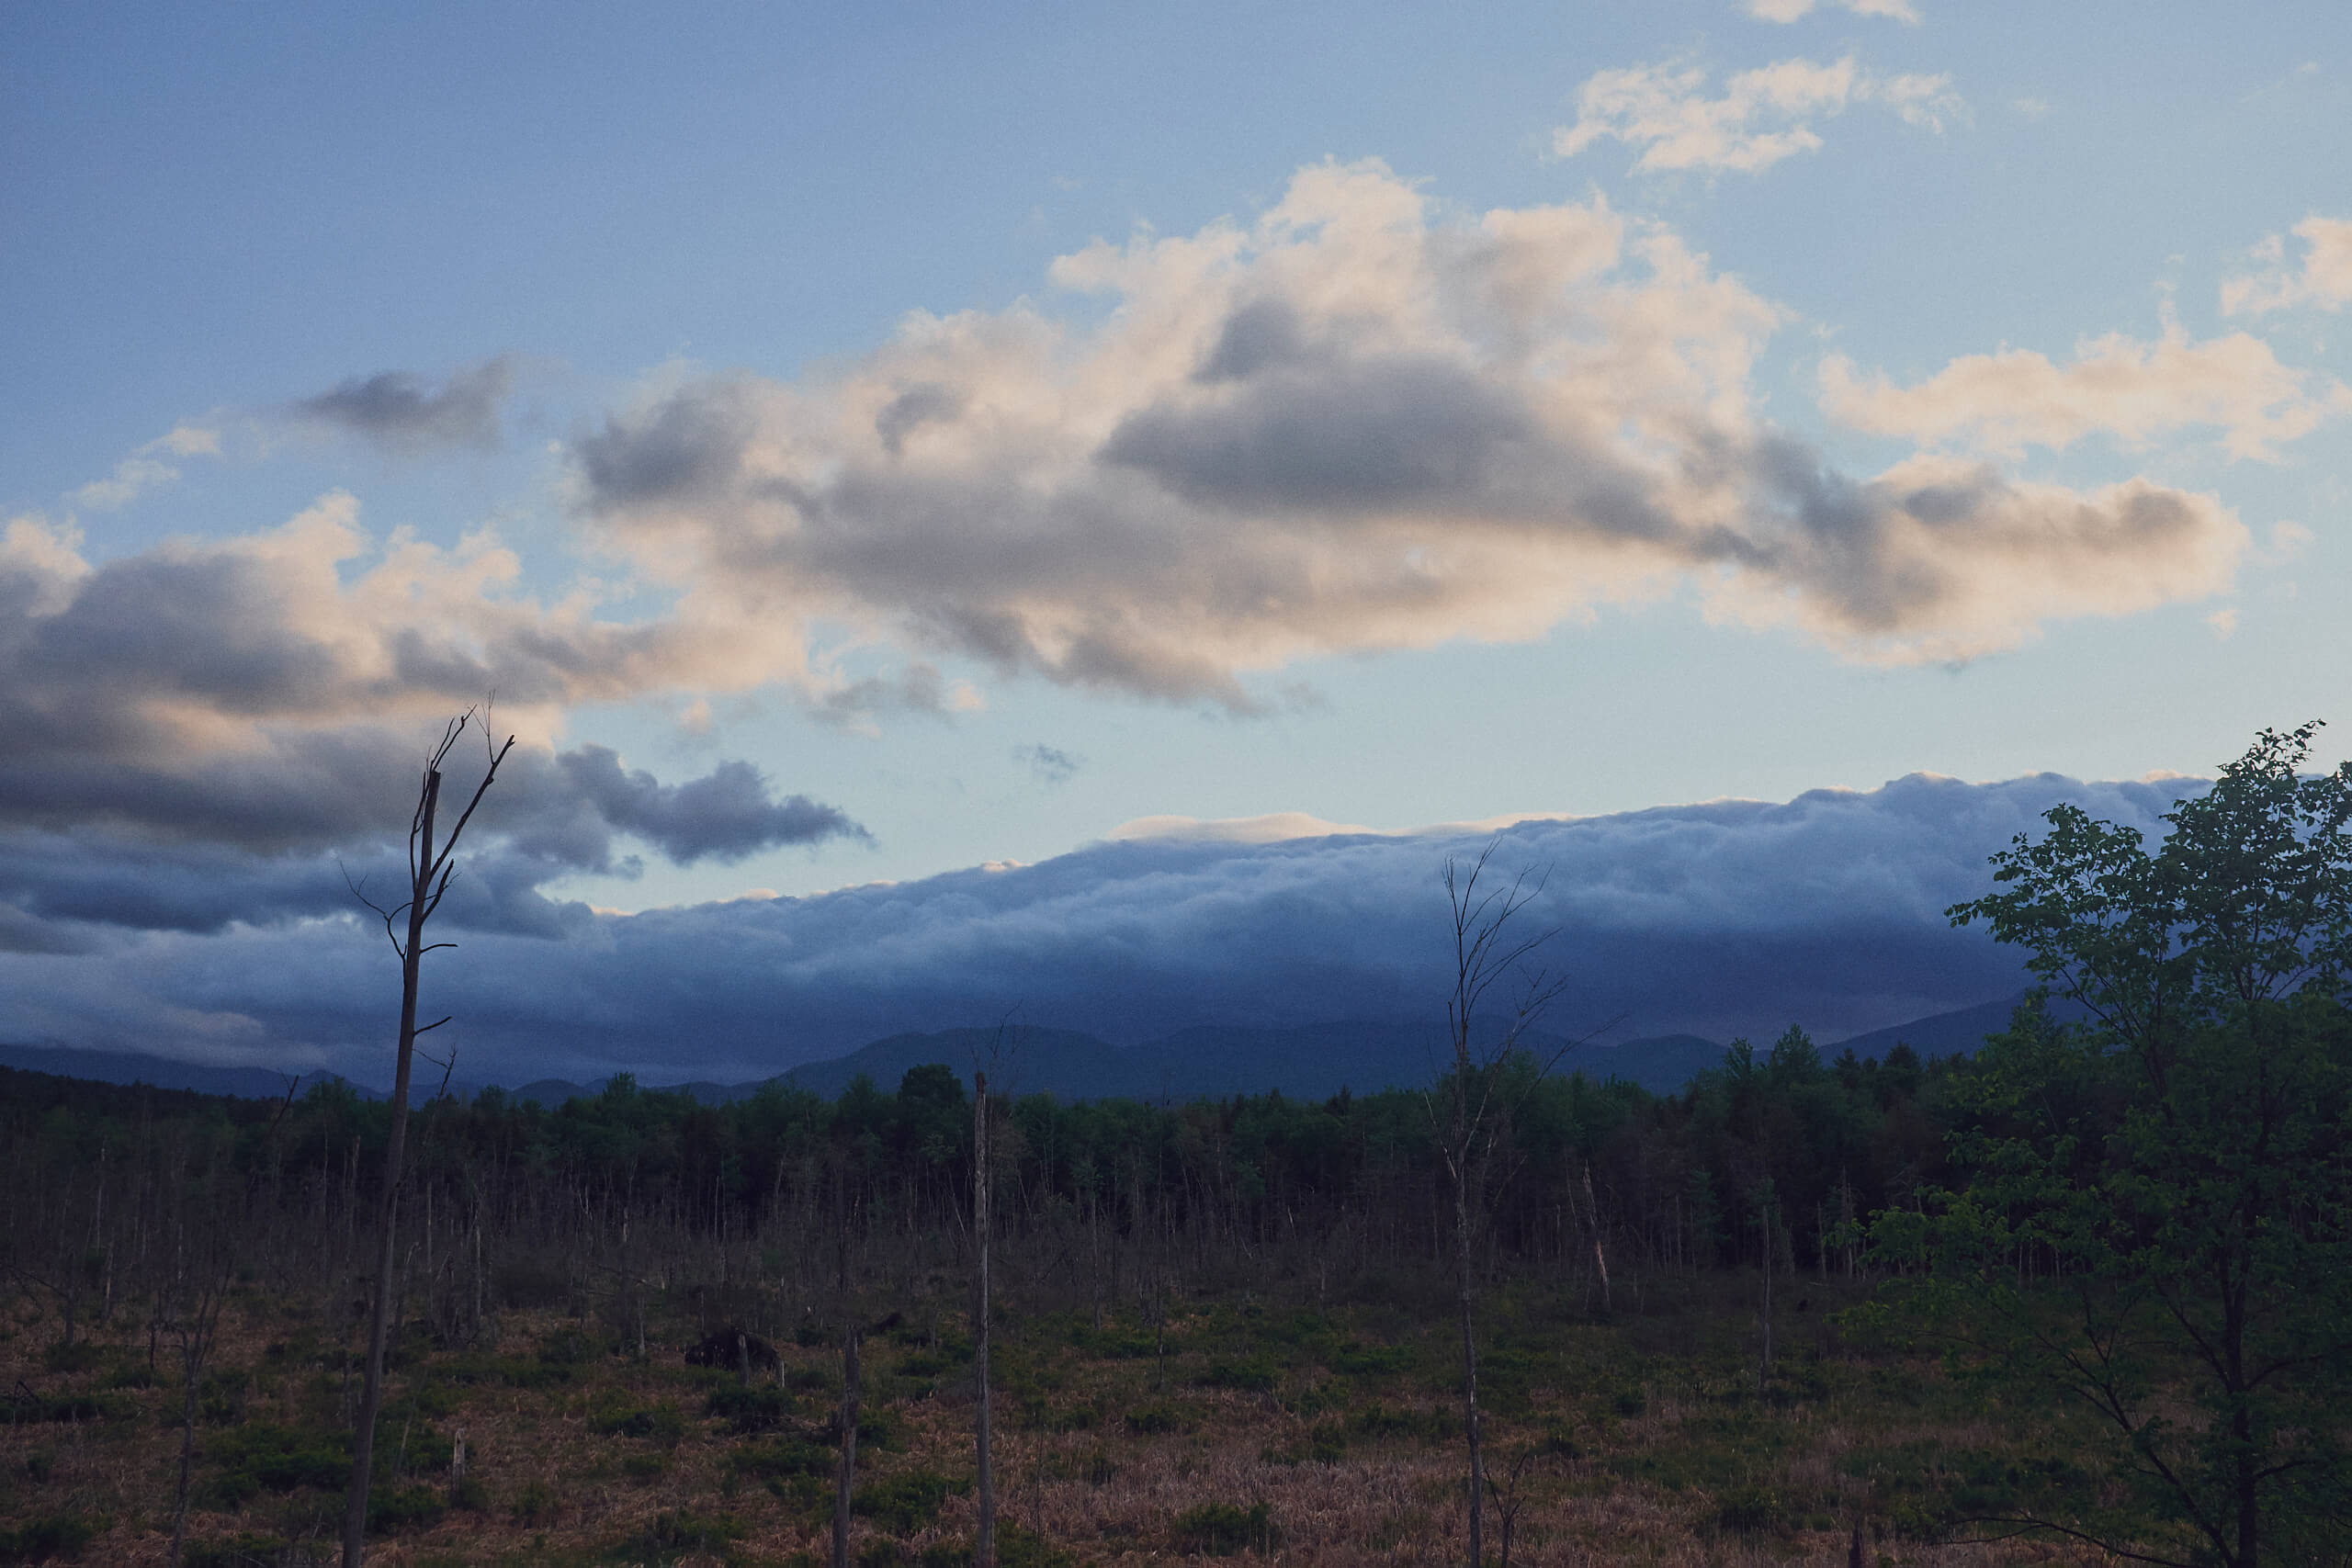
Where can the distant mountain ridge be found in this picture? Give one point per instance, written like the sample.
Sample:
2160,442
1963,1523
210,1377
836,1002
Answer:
1206,1062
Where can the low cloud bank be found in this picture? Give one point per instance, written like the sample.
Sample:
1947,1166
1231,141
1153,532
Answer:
1719,919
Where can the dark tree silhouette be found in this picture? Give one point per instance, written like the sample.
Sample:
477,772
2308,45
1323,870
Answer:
430,871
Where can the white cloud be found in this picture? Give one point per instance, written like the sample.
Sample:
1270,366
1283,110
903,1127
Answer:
1763,116
1274,827
1796,10
144,471
2135,390
1352,424
2323,278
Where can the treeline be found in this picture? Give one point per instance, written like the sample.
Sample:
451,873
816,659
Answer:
752,1210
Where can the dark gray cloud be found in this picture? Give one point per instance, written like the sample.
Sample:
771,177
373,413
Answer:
914,407
272,839
403,410
724,816
1722,919
688,446
1394,432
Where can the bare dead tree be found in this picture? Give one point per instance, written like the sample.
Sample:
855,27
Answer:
846,1472
1001,1049
984,1545
429,874
1493,959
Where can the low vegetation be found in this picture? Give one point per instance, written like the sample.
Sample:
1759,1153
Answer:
2092,1285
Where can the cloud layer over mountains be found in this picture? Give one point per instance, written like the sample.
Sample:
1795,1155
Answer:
1718,919
1358,421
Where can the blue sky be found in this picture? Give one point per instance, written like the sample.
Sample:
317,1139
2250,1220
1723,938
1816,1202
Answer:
919,437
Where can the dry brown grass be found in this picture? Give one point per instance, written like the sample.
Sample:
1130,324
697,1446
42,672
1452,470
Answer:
1105,1493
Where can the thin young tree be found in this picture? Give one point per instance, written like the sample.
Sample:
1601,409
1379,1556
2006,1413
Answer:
1494,953
429,874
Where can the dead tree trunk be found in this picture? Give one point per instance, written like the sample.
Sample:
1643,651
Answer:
984,1547
1488,950
846,1478
429,874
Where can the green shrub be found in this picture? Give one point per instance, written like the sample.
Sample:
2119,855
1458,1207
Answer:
672,1535
78,1356
1015,1547
905,1503
1747,1510
877,1429
509,1372
534,1504
1254,1375
220,1397
247,1551
1377,1420
1117,1343
1155,1420
402,1507
1369,1361
24,1408
662,1423
761,1408
1220,1530
267,1457
786,1455
47,1536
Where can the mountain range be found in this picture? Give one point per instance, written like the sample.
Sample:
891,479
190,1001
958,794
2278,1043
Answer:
1203,1062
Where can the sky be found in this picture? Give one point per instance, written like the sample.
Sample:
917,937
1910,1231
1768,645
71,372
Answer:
871,456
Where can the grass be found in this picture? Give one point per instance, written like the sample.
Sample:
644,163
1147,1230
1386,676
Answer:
1266,1433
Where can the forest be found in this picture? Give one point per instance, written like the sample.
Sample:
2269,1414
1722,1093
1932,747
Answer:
2084,1295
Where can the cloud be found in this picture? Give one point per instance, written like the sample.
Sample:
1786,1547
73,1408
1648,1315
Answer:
1049,764
200,732
2324,278
400,410
145,469
1353,423
1273,827
725,816
2133,390
278,838
1732,917
1763,116
215,648
1795,10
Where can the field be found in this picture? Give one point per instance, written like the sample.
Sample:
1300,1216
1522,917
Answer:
1248,1429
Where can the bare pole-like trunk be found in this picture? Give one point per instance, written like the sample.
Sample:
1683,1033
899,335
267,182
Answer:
1467,1298
984,1547
429,875
1487,953
363,1445
846,1478
1600,1257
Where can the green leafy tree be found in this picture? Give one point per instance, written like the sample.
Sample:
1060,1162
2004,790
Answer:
2158,1217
